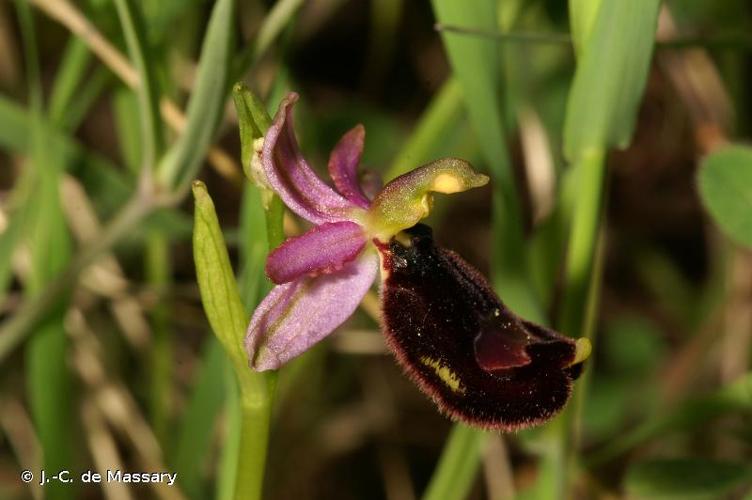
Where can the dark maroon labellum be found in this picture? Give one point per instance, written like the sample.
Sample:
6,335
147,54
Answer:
480,362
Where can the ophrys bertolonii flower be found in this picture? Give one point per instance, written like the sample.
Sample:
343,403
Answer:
447,328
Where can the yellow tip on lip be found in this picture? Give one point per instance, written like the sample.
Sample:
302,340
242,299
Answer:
582,350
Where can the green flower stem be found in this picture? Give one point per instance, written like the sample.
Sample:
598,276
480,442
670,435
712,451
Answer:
255,417
255,400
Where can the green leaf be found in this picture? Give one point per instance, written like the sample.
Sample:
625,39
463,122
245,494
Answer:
130,138
685,478
224,309
277,19
206,105
148,98
582,14
47,376
611,74
475,63
725,181
458,466
216,280
71,71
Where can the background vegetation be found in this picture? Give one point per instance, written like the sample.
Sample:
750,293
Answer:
618,210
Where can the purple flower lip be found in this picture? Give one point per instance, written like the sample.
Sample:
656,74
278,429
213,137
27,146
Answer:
463,347
322,275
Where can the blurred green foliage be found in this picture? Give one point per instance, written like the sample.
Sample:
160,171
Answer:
107,355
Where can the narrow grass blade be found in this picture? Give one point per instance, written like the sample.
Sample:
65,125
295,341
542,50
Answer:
148,97
276,20
611,74
85,98
279,17
458,466
581,18
614,52
206,105
197,426
125,107
591,175
48,378
475,64
71,72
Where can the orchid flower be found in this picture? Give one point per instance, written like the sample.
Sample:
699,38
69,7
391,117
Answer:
447,328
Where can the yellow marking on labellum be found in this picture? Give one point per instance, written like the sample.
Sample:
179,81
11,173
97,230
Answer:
444,373
582,349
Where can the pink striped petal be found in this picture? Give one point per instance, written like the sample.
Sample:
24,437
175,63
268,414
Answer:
324,249
343,165
296,315
291,176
